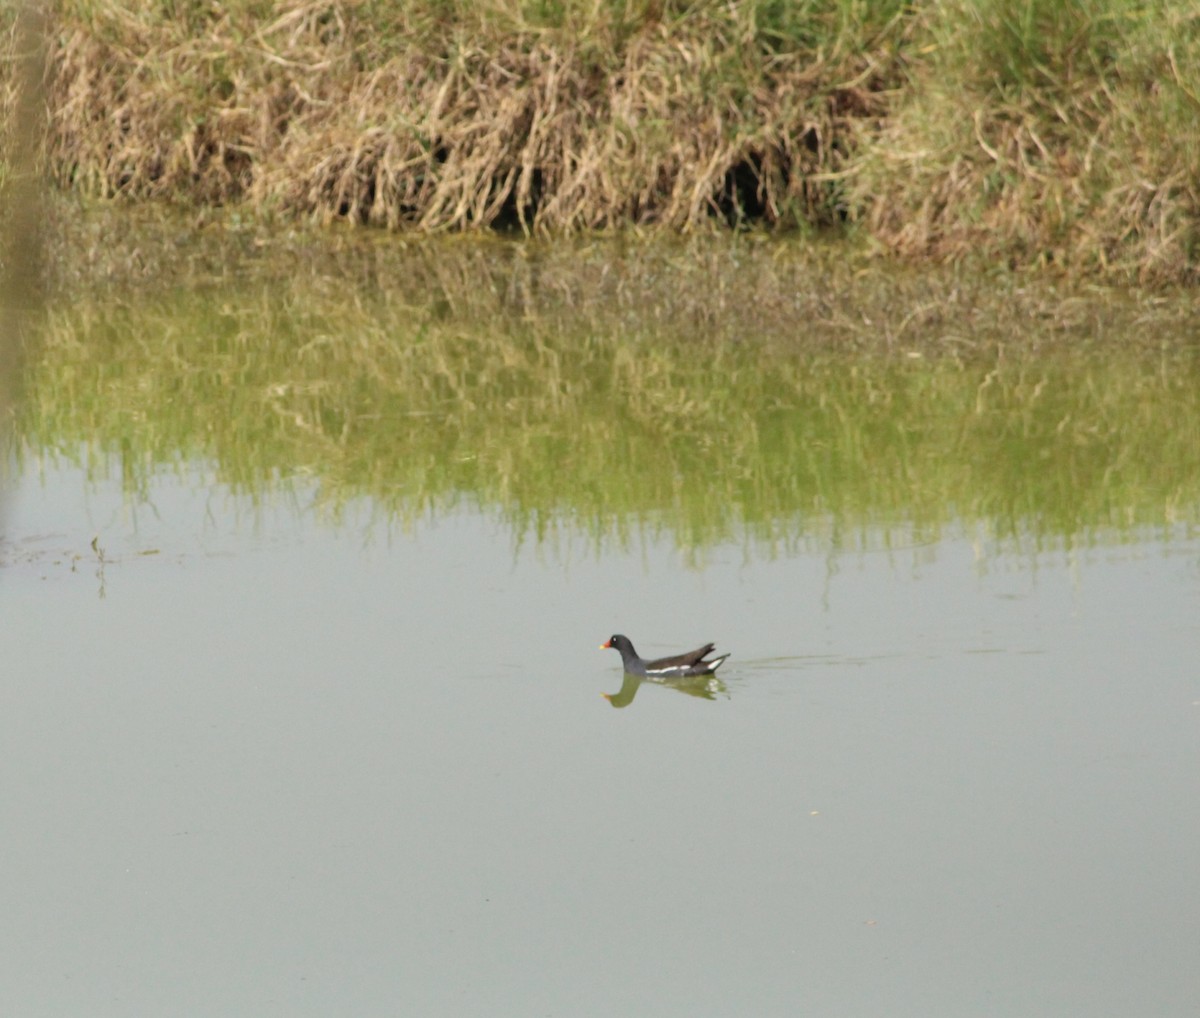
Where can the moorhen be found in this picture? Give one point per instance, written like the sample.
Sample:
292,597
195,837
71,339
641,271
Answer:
691,663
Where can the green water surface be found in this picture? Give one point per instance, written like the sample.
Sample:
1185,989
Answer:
713,390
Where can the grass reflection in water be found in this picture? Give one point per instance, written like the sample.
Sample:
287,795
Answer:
714,390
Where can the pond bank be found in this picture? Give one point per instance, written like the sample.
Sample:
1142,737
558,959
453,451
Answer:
1036,133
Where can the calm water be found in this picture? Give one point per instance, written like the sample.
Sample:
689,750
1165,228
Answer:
303,706
286,767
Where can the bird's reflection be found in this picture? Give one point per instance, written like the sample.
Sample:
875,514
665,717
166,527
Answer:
706,687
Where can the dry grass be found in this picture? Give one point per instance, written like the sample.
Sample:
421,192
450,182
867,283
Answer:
1033,132
416,116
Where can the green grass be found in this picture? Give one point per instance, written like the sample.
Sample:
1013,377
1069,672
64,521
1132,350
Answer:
1047,134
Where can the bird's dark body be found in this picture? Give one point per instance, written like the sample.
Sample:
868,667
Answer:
690,663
